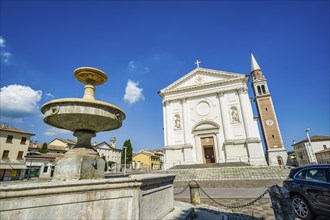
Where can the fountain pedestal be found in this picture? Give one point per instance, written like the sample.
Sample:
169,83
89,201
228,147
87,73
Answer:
79,164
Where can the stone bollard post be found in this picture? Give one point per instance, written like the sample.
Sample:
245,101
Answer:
194,193
281,203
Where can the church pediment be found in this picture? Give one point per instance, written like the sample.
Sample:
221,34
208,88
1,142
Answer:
103,146
200,77
205,125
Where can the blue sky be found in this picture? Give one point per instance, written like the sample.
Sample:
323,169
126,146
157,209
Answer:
143,46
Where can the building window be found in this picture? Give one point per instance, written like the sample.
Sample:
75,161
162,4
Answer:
9,139
263,89
5,155
45,169
20,155
23,140
273,136
266,109
324,147
259,90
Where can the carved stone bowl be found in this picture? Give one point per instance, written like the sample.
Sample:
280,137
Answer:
80,114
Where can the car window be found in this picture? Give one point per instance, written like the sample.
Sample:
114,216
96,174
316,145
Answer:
316,174
301,175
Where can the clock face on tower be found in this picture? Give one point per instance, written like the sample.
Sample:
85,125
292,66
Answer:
269,122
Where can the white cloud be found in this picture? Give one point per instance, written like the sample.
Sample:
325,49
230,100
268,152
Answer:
4,55
131,66
132,92
18,101
51,131
2,42
137,67
49,96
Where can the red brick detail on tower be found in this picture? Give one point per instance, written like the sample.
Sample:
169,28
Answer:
269,122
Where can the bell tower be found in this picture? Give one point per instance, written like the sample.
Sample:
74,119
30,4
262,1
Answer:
276,153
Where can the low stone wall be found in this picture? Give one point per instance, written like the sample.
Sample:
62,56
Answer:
138,197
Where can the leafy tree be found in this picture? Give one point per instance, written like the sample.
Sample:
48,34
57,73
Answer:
111,162
129,152
43,148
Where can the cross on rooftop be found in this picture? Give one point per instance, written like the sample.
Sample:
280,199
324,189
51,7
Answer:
197,63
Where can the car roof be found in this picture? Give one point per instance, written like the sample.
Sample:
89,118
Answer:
296,169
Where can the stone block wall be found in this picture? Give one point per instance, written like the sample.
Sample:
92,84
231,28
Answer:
137,197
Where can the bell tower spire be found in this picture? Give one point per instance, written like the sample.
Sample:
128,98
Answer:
276,153
254,64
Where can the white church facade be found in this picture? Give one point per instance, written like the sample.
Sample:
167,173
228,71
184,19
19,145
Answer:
208,118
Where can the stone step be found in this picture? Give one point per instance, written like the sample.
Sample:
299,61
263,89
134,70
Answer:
210,165
230,173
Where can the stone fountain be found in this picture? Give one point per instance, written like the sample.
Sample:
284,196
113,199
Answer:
86,194
84,117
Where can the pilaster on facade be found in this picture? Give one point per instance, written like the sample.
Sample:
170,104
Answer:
224,115
243,98
165,123
183,102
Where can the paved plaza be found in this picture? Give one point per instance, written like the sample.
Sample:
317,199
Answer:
232,186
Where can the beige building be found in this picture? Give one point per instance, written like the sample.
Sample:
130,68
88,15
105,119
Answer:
42,165
305,153
66,143
323,156
147,160
13,149
108,151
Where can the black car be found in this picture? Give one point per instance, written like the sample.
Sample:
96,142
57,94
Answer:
309,188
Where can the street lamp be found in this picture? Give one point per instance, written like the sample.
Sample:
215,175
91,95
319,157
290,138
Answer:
29,171
313,160
125,162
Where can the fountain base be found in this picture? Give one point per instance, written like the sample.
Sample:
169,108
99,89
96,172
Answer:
79,163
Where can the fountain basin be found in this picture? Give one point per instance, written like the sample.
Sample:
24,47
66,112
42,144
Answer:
135,197
82,114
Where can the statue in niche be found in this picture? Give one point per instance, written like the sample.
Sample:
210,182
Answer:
234,115
177,122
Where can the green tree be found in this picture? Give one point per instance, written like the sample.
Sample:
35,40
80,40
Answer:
43,148
129,152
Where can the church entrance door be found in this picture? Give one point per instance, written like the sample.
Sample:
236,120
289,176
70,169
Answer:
209,155
208,146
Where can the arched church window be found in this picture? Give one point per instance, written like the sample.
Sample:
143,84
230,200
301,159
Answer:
263,88
273,136
259,90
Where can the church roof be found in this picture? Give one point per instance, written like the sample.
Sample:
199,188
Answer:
254,64
105,145
202,77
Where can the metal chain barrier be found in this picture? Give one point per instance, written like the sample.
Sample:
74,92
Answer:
182,190
223,205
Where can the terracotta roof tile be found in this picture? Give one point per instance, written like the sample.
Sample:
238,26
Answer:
314,138
11,129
